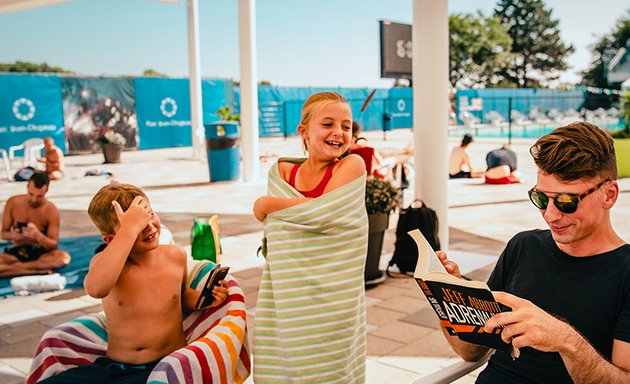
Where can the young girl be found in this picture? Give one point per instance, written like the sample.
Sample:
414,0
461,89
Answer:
310,315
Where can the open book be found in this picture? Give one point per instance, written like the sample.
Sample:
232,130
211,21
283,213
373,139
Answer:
462,306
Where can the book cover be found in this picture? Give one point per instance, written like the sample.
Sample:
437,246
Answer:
462,306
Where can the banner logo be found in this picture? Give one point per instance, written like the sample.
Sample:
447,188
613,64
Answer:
401,105
168,107
23,109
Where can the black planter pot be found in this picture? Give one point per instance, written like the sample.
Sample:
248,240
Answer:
111,152
378,223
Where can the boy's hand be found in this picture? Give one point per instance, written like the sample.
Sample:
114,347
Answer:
136,217
220,294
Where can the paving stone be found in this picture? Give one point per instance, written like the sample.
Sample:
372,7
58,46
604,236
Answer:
15,335
25,348
379,316
400,331
425,317
385,291
402,304
433,344
378,346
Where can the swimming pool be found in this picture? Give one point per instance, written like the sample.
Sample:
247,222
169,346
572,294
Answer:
522,130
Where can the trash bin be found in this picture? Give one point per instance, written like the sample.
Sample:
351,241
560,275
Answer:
224,157
387,121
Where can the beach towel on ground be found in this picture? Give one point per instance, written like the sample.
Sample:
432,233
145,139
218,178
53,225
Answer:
217,350
310,314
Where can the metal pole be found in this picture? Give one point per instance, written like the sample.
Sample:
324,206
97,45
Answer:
249,90
430,107
194,67
510,120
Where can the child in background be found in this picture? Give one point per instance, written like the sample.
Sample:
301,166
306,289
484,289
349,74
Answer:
143,289
310,315
369,155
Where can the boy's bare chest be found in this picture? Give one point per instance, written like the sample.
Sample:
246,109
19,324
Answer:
149,289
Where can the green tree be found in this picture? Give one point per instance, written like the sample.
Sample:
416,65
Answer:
150,72
478,46
540,54
26,67
612,42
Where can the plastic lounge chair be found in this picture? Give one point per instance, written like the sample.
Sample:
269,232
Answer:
32,151
217,349
7,164
452,372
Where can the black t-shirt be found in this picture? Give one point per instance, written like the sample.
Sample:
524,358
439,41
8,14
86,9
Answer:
501,156
590,293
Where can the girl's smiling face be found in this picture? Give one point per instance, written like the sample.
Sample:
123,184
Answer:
328,133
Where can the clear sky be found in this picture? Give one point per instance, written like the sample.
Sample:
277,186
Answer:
299,42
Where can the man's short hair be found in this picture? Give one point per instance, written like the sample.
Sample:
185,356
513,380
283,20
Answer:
101,210
467,139
39,179
576,151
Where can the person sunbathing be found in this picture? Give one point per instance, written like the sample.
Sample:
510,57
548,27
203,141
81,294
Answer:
53,159
501,164
459,162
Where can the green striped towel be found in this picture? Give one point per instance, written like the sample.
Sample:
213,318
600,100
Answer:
310,315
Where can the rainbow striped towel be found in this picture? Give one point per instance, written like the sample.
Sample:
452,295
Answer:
217,351
310,315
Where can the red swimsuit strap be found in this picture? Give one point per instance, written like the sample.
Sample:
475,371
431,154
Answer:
319,189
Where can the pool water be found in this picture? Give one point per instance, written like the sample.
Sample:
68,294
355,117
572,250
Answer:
521,131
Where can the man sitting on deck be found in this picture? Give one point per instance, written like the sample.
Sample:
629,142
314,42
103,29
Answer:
31,222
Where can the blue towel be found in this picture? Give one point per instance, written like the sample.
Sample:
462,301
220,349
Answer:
80,248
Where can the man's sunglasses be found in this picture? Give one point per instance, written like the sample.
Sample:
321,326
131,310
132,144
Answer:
564,202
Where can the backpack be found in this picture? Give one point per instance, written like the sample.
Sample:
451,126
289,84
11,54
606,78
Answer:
24,174
416,216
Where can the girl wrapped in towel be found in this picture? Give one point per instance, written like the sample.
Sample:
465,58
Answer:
310,315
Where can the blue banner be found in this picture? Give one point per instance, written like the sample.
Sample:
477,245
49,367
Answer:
30,106
216,93
93,104
400,107
163,110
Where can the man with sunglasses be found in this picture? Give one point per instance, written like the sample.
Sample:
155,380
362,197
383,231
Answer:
568,287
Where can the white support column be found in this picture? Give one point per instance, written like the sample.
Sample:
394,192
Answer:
249,89
430,106
194,67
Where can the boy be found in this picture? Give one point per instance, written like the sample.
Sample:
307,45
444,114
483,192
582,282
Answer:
142,285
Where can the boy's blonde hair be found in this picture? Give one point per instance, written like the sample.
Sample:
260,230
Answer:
101,210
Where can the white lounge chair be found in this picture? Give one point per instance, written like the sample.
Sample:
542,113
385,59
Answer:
7,164
32,151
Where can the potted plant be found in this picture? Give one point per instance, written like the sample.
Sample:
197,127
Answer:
381,198
111,143
225,114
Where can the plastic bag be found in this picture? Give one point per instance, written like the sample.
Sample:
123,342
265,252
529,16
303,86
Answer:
205,242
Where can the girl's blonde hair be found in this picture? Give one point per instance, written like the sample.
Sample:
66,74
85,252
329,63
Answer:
316,100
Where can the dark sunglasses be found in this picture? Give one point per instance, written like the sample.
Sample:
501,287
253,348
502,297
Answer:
564,202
